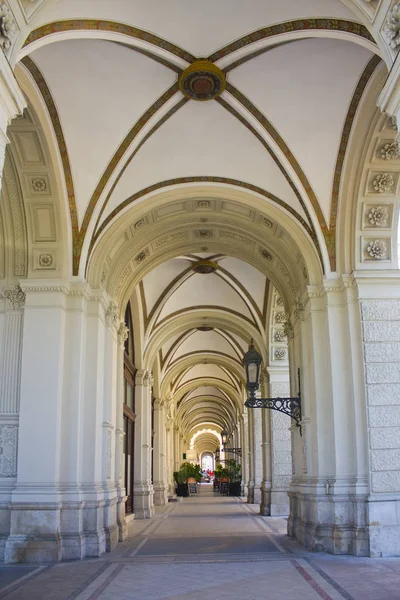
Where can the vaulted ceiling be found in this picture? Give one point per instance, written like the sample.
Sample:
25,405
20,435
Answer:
107,74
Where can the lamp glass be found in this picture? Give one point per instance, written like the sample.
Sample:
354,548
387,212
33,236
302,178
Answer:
252,373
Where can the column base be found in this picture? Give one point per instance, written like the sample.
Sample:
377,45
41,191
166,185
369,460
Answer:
279,503
160,494
265,505
250,493
53,532
327,523
383,518
143,501
257,495
121,519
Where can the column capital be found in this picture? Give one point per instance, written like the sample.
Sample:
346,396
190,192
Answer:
12,100
14,298
123,333
144,377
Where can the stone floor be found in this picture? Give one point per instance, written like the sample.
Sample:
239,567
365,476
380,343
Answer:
207,547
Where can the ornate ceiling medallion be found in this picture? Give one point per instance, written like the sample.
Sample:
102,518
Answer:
202,80
204,267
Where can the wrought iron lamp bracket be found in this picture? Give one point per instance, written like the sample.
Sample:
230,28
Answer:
287,406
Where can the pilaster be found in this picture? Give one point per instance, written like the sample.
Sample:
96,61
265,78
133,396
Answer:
160,482
143,488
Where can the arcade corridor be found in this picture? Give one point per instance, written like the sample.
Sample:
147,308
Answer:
207,547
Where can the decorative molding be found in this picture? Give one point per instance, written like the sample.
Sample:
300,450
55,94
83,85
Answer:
383,182
391,28
279,301
280,354
299,311
139,224
280,335
112,314
123,333
203,204
301,25
8,26
109,452
280,317
288,330
204,233
389,151
15,298
265,254
237,237
377,249
39,184
379,216
8,450
45,261
142,256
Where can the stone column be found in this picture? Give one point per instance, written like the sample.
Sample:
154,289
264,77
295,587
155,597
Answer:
258,462
160,450
245,453
35,510
250,431
142,486
12,302
265,505
123,333
170,459
327,500
380,313
281,454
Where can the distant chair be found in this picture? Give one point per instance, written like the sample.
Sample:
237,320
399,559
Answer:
192,485
224,486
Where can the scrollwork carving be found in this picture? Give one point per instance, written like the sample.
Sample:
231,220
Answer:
8,26
391,29
123,333
112,314
15,298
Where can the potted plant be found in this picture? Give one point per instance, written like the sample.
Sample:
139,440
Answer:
186,470
235,474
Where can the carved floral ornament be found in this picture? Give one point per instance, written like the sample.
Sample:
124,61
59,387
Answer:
391,29
280,353
383,182
378,216
376,249
390,151
280,335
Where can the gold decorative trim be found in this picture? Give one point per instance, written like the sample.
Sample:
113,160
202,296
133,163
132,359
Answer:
303,25
202,81
110,26
330,236
78,234
41,83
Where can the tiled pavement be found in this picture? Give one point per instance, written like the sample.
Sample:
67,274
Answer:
207,547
